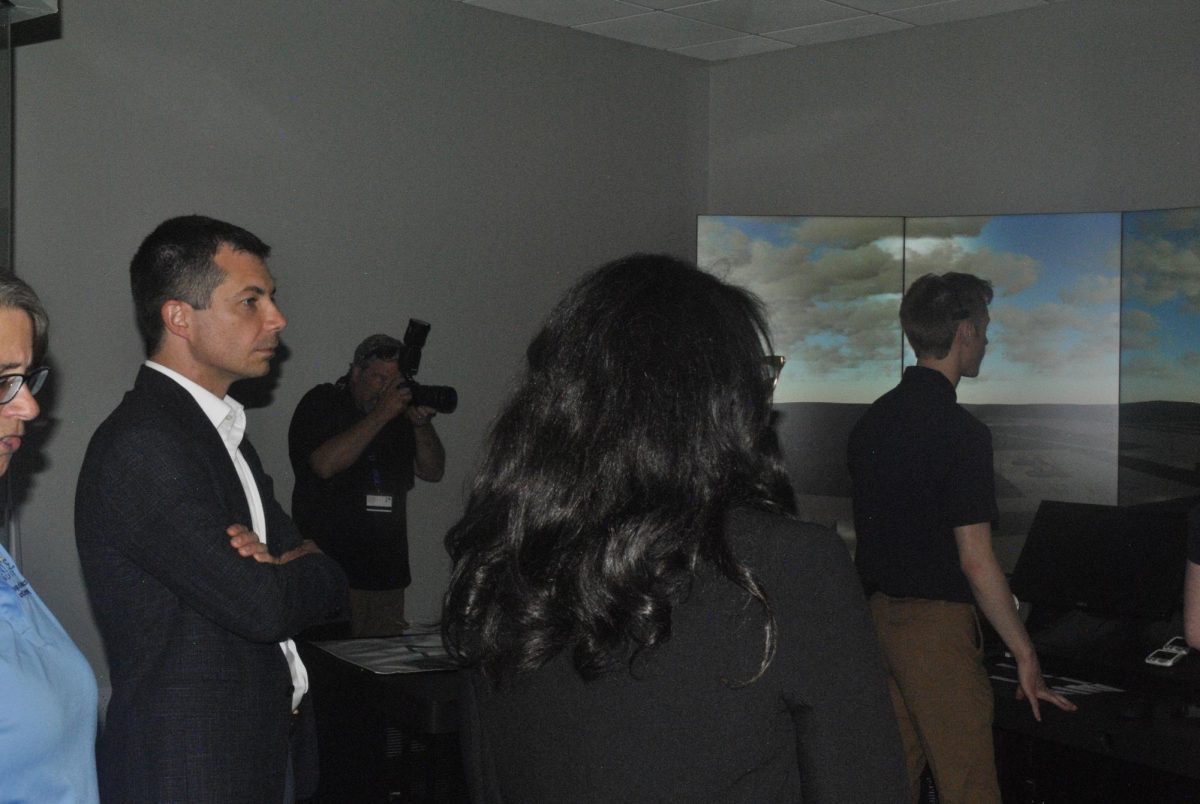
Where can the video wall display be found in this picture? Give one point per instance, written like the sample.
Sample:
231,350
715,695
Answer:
832,292
1160,355
1062,368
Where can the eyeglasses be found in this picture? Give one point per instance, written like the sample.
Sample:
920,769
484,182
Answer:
10,384
774,369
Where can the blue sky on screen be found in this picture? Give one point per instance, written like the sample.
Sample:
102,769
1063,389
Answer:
1055,330
1160,306
832,288
832,291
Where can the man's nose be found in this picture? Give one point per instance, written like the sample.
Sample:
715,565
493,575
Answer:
275,319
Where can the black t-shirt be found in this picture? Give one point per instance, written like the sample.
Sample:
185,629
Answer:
920,465
371,543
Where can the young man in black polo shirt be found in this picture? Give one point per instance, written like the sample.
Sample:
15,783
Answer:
924,504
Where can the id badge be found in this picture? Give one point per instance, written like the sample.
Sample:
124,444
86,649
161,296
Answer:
380,503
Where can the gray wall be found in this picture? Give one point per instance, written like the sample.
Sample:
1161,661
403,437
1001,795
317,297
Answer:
424,158
405,158
1086,105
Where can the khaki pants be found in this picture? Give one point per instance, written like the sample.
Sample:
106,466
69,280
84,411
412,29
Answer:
377,613
941,694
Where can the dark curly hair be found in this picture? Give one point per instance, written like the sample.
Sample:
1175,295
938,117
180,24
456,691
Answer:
643,417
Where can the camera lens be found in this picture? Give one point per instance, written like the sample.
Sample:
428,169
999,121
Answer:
441,398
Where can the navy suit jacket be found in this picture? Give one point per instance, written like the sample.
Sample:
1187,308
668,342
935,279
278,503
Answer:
201,693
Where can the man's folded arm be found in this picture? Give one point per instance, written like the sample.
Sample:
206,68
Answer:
181,541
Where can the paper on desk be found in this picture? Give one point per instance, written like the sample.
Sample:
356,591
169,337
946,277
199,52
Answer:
1060,684
417,652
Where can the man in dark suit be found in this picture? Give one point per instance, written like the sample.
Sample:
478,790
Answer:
197,577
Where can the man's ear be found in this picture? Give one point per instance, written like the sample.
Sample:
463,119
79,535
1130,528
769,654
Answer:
177,317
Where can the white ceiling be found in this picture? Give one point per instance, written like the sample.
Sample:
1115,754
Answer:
715,30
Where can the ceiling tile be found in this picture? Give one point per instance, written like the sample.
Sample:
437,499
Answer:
663,5
660,30
576,12
724,29
879,6
760,16
954,10
732,48
842,29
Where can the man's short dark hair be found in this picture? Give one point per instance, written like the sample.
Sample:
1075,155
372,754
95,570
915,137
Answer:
15,294
935,304
176,262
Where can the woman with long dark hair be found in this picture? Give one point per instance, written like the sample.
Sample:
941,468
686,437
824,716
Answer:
644,621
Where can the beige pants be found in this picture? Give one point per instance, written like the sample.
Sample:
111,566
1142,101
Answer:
377,613
941,694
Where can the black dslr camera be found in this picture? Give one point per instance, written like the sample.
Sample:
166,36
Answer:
441,398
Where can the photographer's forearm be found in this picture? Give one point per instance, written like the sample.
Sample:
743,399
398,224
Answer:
429,461
341,451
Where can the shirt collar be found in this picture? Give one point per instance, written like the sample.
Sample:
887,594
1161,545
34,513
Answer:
930,378
227,415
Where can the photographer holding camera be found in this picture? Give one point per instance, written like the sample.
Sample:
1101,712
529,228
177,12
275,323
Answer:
355,446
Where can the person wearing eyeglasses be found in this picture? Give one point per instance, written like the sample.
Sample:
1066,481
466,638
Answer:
48,692
642,619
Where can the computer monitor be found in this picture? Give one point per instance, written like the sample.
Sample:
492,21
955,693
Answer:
1104,560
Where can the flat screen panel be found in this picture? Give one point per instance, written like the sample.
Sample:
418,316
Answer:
1104,560
1160,355
831,287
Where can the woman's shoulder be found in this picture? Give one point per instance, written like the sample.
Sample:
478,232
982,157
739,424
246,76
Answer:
770,542
808,576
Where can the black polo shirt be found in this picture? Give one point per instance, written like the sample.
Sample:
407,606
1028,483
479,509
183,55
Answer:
920,465
370,544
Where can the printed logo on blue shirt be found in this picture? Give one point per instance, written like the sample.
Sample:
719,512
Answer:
9,574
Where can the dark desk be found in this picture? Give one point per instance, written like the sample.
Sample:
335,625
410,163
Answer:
387,719
1103,585
1136,742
